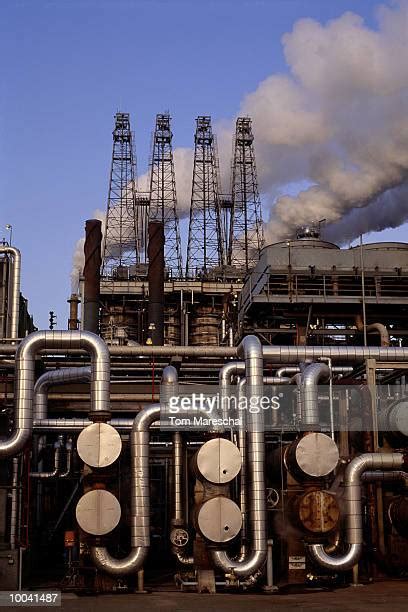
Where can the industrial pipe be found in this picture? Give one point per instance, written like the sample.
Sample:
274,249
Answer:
15,287
312,374
140,501
352,354
352,500
250,350
57,461
24,385
68,450
55,377
282,372
271,353
168,388
378,327
380,476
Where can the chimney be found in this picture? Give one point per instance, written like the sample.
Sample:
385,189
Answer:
73,321
155,252
92,271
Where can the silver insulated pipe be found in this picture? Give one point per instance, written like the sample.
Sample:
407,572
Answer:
15,287
250,350
24,384
140,501
312,374
56,377
352,500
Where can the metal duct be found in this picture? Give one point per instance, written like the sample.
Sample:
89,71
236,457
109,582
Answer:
352,354
311,376
15,287
380,476
282,372
55,377
250,350
57,463
271,353
224,380
352,500
92,274
169,387
140,501
155,253
378,327
24,383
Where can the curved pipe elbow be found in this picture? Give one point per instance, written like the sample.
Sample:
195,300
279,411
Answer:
378,327
241,569
131,564
14,445
311,376
339,563
228,370
182,557
169,375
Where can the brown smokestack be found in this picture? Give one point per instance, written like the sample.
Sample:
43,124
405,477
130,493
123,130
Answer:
155,254
73,321
92,271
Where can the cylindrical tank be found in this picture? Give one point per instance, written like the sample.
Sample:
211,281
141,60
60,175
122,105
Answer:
204,326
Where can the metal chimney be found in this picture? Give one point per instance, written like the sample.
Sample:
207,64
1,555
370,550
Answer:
92,250
155,254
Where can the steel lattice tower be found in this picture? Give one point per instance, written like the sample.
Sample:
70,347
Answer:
205,248
163,199
246,236
123,241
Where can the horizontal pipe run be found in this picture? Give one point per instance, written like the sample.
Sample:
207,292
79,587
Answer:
271,353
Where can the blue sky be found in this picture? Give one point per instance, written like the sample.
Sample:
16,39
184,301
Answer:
68,66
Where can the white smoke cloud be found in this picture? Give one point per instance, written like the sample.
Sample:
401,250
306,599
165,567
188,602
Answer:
338,120
389,210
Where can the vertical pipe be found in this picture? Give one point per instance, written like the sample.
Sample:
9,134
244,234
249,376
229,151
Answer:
14,504
92,250
15,287
363,290
156,282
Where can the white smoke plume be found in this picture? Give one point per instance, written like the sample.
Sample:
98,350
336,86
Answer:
389,210
339,120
